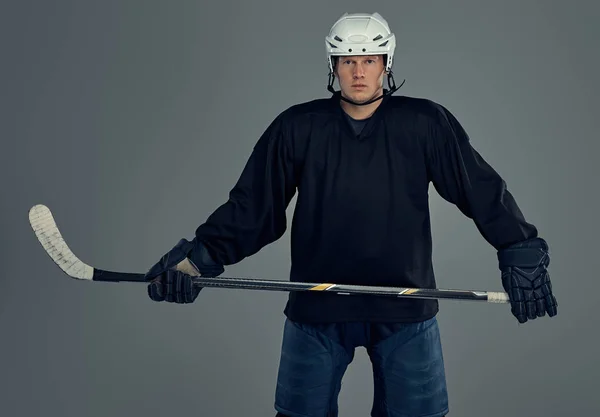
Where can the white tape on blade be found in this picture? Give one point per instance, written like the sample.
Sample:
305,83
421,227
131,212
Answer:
47,232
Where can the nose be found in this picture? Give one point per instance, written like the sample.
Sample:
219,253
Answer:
358,71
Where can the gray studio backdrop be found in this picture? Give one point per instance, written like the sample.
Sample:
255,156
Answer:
132,121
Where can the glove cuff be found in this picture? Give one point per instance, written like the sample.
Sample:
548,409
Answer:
526,254
201,258
170,259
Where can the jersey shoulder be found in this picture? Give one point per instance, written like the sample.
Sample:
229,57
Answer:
315,107
297,119
417,106
293,125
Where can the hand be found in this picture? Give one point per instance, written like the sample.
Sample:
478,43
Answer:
174,287
171,277
526,279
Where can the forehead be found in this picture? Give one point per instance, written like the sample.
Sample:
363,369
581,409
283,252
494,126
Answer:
359,57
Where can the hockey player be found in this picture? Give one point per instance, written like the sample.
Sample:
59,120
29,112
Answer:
361,162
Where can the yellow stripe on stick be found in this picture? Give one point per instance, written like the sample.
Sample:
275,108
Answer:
321,287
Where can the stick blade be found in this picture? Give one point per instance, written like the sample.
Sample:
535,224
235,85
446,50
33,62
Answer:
43,225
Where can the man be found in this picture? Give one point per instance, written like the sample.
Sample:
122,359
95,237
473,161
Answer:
361,163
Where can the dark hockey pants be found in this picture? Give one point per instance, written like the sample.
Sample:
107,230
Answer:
408,368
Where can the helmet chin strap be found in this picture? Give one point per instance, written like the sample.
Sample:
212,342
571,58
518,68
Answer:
391,84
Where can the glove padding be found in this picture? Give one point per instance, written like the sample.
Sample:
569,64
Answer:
526,280
171,277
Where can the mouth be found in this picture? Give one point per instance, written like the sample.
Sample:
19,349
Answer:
359,86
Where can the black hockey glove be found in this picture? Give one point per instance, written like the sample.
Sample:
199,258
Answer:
171,277
526,279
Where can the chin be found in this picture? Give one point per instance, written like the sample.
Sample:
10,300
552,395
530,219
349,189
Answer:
360,97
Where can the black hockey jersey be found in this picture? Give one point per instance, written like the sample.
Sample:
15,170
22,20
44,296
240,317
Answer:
362,211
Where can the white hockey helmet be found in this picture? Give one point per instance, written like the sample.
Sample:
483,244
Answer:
360,34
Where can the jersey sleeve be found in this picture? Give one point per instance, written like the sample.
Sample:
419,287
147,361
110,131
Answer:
255,213
464,178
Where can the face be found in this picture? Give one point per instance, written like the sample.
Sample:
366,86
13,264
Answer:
360,77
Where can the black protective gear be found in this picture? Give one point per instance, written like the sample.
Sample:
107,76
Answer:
174,287
171,285
526,279
339,236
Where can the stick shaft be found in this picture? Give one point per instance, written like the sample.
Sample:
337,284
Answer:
342,289
50,238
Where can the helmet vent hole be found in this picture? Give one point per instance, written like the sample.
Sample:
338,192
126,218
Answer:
337,38
377,37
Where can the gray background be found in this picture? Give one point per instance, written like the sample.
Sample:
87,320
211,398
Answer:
132,121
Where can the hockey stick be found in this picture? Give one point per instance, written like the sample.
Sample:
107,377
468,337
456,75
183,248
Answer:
44,227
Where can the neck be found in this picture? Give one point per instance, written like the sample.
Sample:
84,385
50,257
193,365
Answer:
361,112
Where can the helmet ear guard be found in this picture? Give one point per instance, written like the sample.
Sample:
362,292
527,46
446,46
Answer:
361,34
